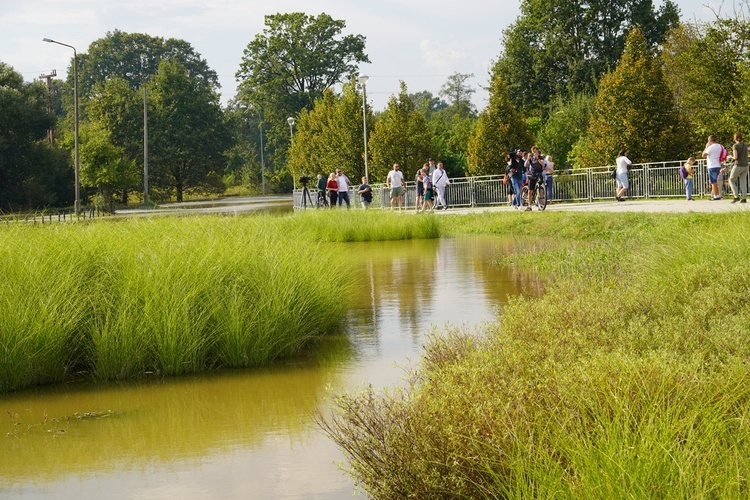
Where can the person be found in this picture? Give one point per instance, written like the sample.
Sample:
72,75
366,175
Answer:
365,193
343,188
395,183
515,171
621,172
440,181
535,166
549,170
332,186
738,175
427,202
418,180
432,166
689,174
712,154
321,189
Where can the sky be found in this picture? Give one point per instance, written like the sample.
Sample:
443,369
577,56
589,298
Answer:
421,42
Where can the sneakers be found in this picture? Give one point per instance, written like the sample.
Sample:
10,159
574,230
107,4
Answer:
736,199
620,199
690,199
716,198
743,200
528,209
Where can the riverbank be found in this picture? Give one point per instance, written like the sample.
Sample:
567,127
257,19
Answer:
627,378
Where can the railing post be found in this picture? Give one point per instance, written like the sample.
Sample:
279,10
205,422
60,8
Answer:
646,179
590,178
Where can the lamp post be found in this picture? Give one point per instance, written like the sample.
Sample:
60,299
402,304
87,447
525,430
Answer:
145,147
363,82
290,121
77,206
262,161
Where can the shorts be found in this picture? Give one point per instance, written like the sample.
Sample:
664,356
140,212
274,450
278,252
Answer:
397,191
533,180
713,175
622,180
428,195
420,189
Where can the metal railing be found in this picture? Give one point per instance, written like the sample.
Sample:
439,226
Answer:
646,181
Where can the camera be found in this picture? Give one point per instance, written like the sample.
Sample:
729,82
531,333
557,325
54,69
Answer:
304,179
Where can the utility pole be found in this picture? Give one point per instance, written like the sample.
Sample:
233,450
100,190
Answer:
48,82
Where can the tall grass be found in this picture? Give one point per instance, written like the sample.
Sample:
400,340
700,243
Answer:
629,378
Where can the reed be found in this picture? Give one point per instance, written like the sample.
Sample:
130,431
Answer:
628,378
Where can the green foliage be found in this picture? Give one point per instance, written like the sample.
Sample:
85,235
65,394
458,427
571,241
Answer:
594,390
103,165
635,111
458,94
188,133
499,129
32,174
400,136
565,125
557,49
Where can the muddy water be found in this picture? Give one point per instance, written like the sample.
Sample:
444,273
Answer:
249,434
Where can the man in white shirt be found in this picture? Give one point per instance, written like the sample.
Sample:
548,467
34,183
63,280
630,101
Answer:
440,181
395,183
343,182
712,154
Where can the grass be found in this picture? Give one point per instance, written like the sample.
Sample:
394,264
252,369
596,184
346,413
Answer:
629,378
120,299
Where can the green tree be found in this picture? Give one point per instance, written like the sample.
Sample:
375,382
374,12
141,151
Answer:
400,136
189,135
562,48
32,173
103,165
288,66
567,122
634,110
458,94
498,130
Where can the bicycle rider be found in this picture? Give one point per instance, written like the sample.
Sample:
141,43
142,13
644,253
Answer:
535,166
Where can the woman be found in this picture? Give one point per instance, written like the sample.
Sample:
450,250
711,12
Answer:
738,175
332,186
689,171
549,170
623,163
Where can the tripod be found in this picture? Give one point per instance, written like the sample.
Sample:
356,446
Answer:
306,197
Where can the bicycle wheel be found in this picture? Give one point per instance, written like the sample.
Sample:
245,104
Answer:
541,197
525,196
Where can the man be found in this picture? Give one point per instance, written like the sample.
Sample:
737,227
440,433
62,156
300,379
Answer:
395,183
738,175
365,193
343,181
712,154
431,166
321,186
440,181
535,166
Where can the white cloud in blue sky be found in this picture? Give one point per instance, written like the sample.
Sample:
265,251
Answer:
418,41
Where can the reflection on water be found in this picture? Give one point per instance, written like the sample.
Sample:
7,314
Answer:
249,434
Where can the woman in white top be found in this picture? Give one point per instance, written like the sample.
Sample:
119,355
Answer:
622,174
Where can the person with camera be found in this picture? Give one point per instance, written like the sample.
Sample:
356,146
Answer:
332,186
343,188
535,165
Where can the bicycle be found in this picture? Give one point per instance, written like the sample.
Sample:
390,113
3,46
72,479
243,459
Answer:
540,196
322,201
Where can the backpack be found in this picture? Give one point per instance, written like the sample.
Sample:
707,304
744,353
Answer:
724,154
683,172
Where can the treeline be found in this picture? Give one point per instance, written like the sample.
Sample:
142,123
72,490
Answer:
580,79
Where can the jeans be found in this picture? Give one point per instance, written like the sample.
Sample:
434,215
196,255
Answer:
738,181
689,188
516,191
548,185
344,197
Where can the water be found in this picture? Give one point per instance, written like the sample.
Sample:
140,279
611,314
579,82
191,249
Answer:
250,434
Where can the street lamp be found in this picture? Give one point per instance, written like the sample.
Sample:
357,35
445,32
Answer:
77,206
363,82
290,121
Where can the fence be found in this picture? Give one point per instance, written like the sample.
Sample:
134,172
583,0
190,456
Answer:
44,217
646,181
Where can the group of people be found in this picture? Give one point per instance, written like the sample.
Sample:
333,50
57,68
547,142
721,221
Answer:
715,154
336,189
531,167
431,181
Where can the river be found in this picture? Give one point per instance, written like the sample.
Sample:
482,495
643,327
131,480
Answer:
250,433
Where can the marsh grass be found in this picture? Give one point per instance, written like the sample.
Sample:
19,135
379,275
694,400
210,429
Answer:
174,295
629,378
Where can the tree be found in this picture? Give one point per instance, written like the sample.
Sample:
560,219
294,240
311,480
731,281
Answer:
189,134
565,125
104,165
459,94
32,173
288,66
400,136
634,110
558,48
498,130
